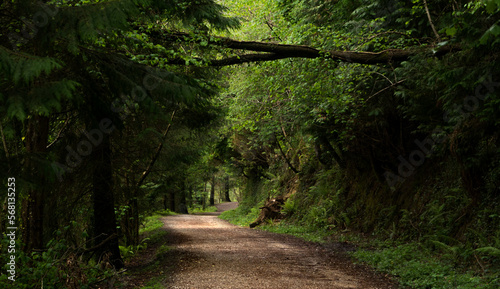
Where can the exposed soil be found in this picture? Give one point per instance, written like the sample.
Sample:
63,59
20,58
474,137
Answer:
207,252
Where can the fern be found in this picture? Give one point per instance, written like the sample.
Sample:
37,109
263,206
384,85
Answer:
25,68
491,251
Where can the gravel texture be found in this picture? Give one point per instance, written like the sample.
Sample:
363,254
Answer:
207,252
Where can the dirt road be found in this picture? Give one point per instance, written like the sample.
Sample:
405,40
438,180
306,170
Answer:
210,253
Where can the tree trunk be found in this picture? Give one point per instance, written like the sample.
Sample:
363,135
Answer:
226,189
212,192
104,210
171,194
204,197
165,199
182,207
132,221
189,196
33,205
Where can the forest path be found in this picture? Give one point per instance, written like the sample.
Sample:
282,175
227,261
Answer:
207,252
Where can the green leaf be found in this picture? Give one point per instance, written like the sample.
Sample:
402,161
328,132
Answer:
492,6
451,31
492,32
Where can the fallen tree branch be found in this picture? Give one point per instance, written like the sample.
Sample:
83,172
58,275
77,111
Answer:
274,51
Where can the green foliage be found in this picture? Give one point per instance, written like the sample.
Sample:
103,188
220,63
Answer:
240,216
199,209
492,7
155,283
57,266
416,266
129,251
154,222
489,251
289,207
340,126
162,251
23,68
309,233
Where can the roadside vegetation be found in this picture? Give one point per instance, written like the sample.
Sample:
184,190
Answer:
400,159
419,265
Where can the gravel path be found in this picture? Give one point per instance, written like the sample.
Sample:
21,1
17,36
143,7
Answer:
208,252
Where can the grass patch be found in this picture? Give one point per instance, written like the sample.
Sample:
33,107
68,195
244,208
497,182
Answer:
244,217
151,233
199,209
153,221
155,283
151,227
418,267
312,234
151,224
240,216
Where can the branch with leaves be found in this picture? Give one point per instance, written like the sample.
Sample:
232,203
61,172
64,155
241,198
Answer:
275,51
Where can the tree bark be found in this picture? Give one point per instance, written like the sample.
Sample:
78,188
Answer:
171,194
204,196
212,192
165,202
104,210
226,190
182,204
33,205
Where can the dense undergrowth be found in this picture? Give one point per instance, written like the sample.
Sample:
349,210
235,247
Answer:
59,266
